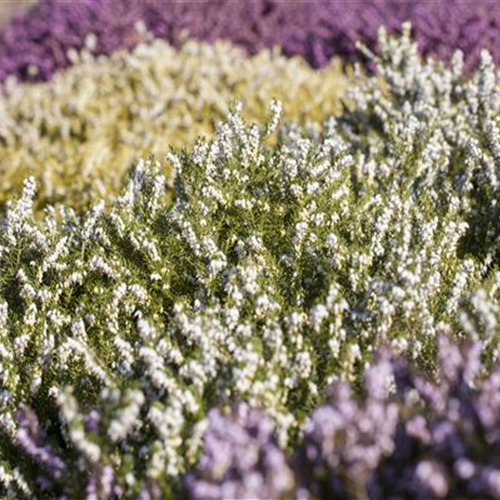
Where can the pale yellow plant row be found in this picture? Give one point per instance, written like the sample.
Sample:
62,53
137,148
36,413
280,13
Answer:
79,133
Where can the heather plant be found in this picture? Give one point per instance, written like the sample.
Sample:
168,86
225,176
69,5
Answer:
315,29
241,458
288,257
405,436
79,133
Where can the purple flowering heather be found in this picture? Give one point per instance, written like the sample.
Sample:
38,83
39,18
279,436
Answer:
35,44
31,439
241,459
92,421
405,437
345,440
448,445
65,475
315,29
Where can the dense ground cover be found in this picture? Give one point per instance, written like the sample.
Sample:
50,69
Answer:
35,44
288,258
79,133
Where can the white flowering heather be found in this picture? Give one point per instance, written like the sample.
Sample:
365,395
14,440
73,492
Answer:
285,260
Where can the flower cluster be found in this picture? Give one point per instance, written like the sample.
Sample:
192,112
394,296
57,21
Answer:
315,29
80,132
241,459
407,437
287,257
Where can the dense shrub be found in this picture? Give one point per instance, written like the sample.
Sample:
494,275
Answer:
286,260
406,437
35,45
80,132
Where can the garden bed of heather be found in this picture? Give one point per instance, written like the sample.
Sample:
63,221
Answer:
294,311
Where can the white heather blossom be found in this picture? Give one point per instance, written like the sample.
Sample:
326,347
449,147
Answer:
128,417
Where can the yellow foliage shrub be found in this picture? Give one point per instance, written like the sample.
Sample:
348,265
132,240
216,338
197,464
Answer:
77,133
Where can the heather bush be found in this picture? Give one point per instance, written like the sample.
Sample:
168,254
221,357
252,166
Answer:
405,437
35,44
79,133
288,257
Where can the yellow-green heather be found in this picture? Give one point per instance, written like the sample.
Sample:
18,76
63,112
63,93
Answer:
79,133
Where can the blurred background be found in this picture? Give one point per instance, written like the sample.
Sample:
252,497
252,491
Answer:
9,7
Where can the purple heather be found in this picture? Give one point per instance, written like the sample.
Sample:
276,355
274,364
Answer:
35,44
